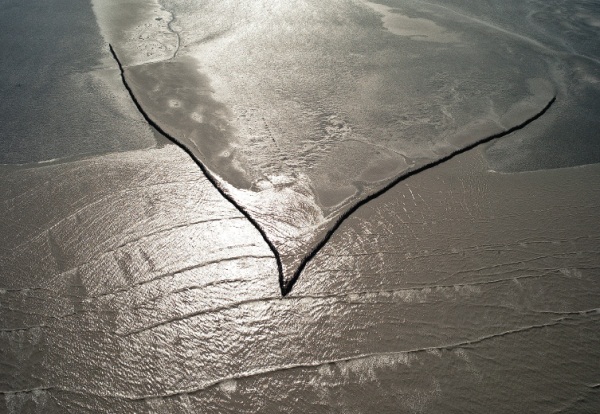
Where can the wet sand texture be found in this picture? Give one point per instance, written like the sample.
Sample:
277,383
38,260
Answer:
459,289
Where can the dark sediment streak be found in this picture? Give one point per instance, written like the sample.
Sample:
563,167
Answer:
286,287
211,178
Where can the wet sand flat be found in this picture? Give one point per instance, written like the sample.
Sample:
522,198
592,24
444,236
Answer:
460,289
130,282
59,98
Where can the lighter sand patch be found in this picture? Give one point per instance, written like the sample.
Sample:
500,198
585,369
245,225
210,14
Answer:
415,28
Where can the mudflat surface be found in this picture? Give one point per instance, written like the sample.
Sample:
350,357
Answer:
59,99
460,289
128,283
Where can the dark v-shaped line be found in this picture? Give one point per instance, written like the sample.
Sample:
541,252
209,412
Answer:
401,178
287,287
211,178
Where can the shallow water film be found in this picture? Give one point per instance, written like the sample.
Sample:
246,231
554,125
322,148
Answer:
299,206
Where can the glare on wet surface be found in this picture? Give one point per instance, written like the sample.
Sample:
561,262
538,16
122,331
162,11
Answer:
129,284
146,291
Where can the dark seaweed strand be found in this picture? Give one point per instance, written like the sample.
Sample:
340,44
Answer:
209,176
286,288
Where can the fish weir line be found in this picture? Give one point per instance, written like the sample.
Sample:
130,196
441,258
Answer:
286,288
207,173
